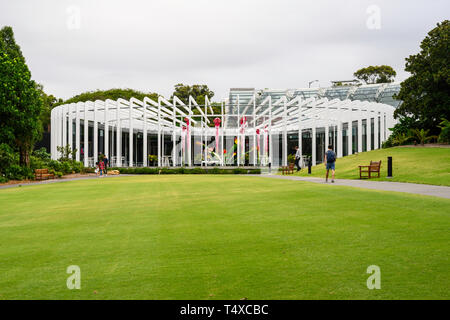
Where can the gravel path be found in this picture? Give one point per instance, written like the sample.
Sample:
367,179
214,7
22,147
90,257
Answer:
424,189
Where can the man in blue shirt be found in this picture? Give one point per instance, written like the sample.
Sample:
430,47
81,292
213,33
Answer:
330,159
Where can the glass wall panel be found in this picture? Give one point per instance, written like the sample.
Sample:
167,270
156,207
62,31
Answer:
354,137
344,140
320,145
364,135
372,134
230,150
276,150
307,143
292,142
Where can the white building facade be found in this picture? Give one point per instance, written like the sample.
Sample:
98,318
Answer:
251,128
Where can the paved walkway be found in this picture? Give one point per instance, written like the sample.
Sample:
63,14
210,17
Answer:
424,189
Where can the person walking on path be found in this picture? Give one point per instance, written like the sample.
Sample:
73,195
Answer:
330,160
298,156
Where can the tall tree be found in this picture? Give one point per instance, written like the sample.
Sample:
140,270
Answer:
197,91
8,44
20,107
376,74
425,94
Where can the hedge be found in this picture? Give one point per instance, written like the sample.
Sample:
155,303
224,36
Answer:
186,171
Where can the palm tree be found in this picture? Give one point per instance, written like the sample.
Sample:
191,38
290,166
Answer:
401,139
422,135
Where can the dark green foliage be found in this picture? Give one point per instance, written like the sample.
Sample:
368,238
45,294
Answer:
42,154
17,172
376,74
9,165
8,44
425,94
112,94
20,107
422,136
444,136
401,132
291,158
20,101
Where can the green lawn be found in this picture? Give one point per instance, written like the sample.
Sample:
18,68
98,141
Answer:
410,164
220,237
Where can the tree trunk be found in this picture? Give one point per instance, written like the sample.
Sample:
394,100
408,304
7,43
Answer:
24,156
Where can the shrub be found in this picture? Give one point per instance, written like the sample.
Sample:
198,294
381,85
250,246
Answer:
151,170
16,172
291,158
88,170
37,163
41,154
66,168
55,165
444,136
77,166
7,157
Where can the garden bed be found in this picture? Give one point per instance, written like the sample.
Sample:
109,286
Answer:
156,170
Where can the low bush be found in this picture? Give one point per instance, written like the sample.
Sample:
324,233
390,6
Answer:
16,172
149,170
7,158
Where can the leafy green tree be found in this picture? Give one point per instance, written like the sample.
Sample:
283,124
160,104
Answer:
376,74
112,94
425,94
8,44
20,107
197,91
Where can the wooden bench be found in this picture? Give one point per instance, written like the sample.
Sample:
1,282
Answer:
366,172
42,174
288,169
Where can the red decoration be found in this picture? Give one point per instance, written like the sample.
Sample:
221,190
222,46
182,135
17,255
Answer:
217,124
187,133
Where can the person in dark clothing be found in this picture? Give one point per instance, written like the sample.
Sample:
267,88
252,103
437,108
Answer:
330,160
105,162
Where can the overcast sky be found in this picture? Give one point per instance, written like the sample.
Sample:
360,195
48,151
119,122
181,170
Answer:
75,46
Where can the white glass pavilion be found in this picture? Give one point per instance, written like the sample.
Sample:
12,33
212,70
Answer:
252,128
